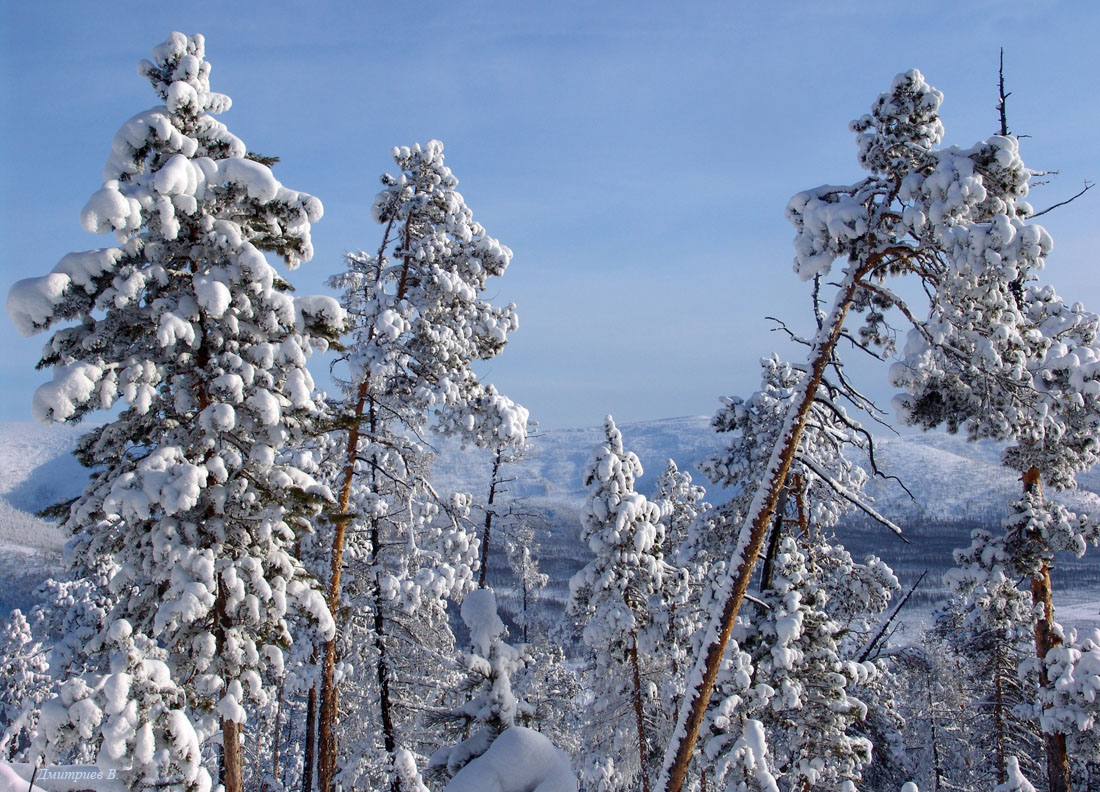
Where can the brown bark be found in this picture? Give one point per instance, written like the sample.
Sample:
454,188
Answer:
770,489
642,756
1042,597
1054,744
232,768
231,753
326,735
329,704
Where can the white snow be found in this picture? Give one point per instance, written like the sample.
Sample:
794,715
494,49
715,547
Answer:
519,760
16,776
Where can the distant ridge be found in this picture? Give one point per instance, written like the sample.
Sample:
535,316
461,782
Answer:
957,486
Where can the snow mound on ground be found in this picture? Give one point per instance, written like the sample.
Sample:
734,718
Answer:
519,760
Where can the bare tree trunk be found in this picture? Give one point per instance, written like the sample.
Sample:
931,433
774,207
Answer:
326,739
231,753
703,676
999,725
487,532
937,764
767,573
1054,743
385,699
311,739
1042,597
642,756
232,769
277,736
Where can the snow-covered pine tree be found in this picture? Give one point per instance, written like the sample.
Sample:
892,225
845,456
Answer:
686,519
1037,383
837,599
988,575
956,220
617,597
489,704
194,497
136,712
419,322
507,450
25,672
795,647
983,632
934,701
522,548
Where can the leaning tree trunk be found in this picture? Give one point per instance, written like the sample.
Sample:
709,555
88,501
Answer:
702,678
1046,638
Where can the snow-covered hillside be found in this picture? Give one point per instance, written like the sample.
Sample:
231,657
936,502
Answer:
956,485
37,470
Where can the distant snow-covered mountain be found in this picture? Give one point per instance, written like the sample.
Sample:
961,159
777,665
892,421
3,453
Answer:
955,485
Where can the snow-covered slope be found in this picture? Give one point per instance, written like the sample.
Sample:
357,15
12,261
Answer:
956,486
36,471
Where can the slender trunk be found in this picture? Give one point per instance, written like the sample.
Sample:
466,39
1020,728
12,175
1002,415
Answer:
1046,638
768,571
326,737
1054,743
329,704
798,484
311,739
642,757
232,769
385,699
486,533
525,616
277,735
937,769
999,710
693,710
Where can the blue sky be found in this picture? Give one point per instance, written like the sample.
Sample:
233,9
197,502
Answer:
636,157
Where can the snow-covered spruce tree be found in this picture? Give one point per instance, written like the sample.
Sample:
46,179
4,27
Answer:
490,706
1050,406
988,575
25,675
837,599
193,499
419,322
795,647
955,219
617,597
934,700
507,450
982,632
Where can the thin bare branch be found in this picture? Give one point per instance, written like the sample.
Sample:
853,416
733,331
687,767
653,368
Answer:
1088,186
